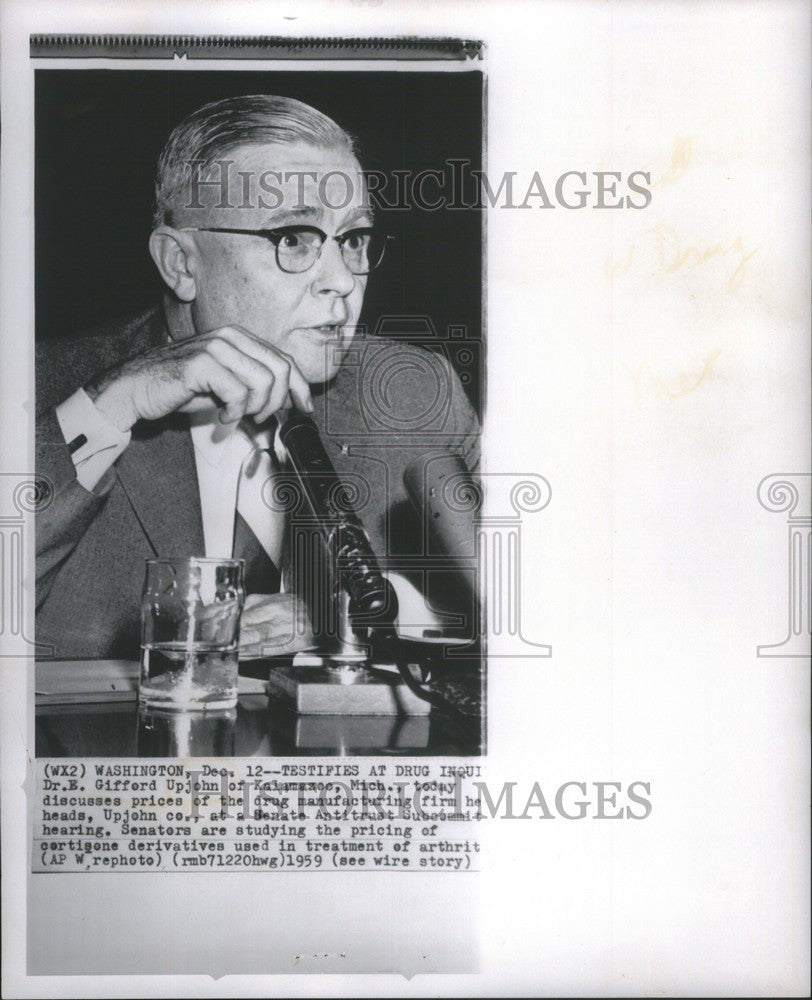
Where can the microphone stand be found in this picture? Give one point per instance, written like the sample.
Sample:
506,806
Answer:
362,603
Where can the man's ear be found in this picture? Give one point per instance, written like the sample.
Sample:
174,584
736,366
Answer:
173,256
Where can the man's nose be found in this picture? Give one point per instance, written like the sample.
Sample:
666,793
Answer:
331,273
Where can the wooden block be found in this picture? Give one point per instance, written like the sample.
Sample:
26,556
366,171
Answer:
361,732
319,691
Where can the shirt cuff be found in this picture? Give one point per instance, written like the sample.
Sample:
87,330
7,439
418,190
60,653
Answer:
94,442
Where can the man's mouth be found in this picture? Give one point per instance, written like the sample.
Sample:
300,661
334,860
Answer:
328,329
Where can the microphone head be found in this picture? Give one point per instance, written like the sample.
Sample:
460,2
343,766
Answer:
300,437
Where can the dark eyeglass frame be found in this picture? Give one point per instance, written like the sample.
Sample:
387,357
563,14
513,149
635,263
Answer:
275,237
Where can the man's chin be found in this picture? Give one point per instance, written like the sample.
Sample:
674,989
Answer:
321,378
322,365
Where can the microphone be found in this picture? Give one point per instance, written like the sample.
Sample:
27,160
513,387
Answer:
372,598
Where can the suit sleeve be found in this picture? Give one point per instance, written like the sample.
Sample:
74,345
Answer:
465,424
79,486
62,522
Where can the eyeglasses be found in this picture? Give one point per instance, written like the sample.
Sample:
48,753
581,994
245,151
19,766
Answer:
299,247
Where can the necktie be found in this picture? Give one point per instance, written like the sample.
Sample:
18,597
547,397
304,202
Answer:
261,574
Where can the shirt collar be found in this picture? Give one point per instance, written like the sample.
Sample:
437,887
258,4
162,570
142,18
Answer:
215,441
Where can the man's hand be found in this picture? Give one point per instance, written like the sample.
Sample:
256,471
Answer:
230,366
274,625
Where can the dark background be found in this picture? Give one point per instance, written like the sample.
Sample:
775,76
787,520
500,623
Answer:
99,134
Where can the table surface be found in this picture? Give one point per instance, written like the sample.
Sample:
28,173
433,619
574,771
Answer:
89,708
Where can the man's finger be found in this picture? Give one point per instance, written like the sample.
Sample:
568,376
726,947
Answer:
249,637
300,389
267,608
270,356
279,390
206,375
258,379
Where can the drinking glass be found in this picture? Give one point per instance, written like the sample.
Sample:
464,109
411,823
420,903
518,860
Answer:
190,614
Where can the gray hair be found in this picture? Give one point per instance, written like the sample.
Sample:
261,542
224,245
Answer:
216,129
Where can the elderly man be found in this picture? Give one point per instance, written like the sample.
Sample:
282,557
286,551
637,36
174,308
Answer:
156,434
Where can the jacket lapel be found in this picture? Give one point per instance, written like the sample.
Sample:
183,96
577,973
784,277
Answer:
159,475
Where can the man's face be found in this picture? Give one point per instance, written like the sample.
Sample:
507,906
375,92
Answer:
310,316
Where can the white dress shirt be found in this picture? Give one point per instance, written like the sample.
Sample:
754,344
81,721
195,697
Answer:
233,470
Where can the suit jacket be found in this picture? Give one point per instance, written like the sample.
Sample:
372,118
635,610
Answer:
388,404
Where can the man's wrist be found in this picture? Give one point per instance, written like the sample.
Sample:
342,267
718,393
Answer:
112,398
93,439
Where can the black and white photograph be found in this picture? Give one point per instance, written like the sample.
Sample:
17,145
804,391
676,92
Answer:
163,434
405,498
